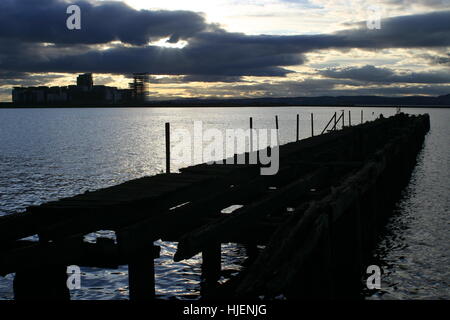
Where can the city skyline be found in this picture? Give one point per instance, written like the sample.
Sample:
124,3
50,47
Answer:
84,92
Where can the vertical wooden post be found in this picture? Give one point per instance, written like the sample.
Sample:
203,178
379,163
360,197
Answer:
312,125
335,121
349,118
277,127
362,116
141,277
47,283
251,134
298,127
141,265
211,263
141,272
343,120
167,147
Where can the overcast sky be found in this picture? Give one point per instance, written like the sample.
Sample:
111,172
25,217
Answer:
232,48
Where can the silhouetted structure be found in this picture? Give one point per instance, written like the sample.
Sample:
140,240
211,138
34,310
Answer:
139,86
85,92
85,82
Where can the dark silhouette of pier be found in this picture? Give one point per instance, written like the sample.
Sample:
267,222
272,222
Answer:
318,219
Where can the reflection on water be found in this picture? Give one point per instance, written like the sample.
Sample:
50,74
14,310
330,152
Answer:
46,154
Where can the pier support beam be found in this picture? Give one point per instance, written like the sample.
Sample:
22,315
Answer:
141,279
141,275
45,284
211,267
167,147
251,135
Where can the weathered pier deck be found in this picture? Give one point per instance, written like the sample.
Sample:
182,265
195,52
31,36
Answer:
317,219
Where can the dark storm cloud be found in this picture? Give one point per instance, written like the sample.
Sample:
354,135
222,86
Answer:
101,22
194,78
437,4
211,52
211,78
421,30
157,60
316,87
370,73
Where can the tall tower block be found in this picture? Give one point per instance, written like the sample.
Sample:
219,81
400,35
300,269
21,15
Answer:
139,86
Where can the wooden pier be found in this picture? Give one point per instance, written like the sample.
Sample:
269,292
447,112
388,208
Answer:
317,219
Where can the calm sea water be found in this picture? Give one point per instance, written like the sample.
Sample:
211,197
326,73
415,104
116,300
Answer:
46,154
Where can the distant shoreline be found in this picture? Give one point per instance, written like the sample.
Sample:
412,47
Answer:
321,101
12,106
